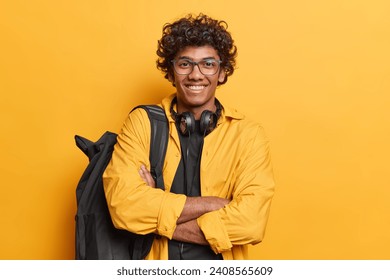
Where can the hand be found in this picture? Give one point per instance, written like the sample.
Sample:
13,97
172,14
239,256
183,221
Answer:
215,203
146,176
197,206
189,232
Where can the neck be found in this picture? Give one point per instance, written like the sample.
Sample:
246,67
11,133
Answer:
196,111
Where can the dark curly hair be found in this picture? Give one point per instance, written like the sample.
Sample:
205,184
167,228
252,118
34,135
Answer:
196,31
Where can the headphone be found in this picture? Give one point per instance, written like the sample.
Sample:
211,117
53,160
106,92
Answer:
186,120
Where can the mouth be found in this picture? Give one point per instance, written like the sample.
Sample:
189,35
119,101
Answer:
196,87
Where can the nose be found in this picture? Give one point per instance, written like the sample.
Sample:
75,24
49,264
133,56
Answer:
195,74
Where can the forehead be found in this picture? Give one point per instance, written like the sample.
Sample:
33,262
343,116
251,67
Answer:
198,53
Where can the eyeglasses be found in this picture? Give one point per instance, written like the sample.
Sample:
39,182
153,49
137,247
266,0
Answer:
207,67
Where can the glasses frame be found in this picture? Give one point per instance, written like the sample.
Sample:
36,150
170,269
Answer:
194,63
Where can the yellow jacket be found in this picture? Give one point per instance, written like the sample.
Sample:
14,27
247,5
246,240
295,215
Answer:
235,164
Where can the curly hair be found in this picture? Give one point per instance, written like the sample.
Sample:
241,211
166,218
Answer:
196,31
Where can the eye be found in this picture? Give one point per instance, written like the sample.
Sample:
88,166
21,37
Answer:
210,63
183,63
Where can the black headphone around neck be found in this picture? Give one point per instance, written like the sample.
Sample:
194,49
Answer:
186,120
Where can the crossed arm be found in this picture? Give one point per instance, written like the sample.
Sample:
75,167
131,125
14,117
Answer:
187,229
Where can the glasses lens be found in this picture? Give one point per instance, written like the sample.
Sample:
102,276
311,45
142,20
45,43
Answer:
206,67
183,66
209,66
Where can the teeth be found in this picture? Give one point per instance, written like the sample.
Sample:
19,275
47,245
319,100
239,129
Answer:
196,87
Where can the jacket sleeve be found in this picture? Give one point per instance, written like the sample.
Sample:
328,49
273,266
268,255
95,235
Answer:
243,220
133,205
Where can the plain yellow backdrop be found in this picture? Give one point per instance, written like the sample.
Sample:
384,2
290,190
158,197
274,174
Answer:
316,74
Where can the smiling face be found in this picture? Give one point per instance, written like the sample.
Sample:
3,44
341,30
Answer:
195,91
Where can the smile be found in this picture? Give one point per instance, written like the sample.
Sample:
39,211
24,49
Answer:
196,87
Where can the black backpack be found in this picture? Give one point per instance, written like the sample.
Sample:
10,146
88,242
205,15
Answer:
96,236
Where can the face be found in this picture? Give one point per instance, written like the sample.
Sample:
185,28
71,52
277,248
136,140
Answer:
195,91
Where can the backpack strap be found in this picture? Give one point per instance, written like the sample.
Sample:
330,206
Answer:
158,141
158,148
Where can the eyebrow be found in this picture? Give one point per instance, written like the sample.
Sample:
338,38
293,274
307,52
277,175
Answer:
189,58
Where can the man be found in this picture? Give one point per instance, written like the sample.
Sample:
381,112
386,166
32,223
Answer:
217,171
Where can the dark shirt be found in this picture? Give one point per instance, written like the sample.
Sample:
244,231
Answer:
187,181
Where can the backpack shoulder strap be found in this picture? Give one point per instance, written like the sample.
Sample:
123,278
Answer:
158,141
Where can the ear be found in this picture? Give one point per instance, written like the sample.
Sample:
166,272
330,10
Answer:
171,79
222,75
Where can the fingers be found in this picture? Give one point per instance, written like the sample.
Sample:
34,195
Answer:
141,173
217,203
146,176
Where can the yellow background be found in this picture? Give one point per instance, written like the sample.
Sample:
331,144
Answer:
316,74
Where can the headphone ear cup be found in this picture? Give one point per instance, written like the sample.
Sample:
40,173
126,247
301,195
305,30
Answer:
186,122
208,121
